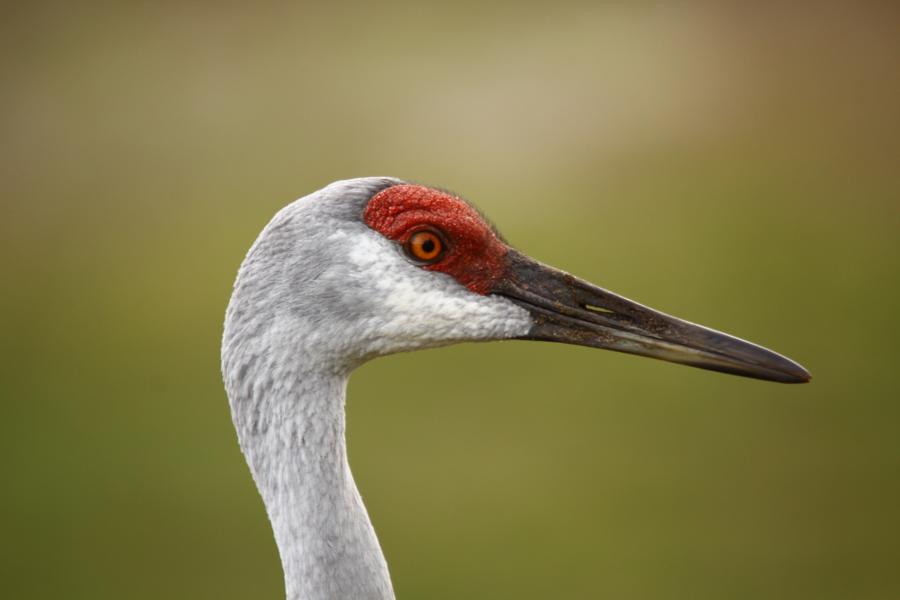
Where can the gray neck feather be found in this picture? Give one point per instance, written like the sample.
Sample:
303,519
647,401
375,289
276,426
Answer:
293,439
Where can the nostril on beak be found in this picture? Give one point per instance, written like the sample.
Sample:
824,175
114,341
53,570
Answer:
598,309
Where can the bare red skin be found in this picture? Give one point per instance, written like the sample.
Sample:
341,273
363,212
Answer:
474,255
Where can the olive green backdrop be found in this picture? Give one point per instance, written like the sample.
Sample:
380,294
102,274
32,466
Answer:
735,167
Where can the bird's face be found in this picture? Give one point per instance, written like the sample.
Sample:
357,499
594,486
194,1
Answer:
439,233
374,266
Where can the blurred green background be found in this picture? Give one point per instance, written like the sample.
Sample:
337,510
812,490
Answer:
738,167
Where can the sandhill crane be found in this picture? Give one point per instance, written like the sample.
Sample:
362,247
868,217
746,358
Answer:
372,266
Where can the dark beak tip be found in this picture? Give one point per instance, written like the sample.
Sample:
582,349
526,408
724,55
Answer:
789,378
792,372
776,368
801,375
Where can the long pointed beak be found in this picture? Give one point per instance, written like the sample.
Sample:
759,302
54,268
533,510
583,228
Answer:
568,310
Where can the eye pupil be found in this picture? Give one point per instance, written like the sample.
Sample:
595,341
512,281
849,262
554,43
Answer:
428,246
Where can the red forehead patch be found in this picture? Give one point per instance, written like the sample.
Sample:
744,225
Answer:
474,254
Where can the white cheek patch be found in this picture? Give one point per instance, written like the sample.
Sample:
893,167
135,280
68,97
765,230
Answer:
424,308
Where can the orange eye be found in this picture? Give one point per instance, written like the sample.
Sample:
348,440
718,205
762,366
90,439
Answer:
425,246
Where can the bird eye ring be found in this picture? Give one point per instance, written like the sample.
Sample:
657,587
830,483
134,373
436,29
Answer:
425,246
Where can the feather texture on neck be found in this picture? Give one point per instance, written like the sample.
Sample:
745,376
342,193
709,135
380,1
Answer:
292,436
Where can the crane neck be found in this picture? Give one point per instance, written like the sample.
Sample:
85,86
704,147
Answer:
292,433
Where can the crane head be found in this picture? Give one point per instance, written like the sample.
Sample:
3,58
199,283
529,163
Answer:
372,266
